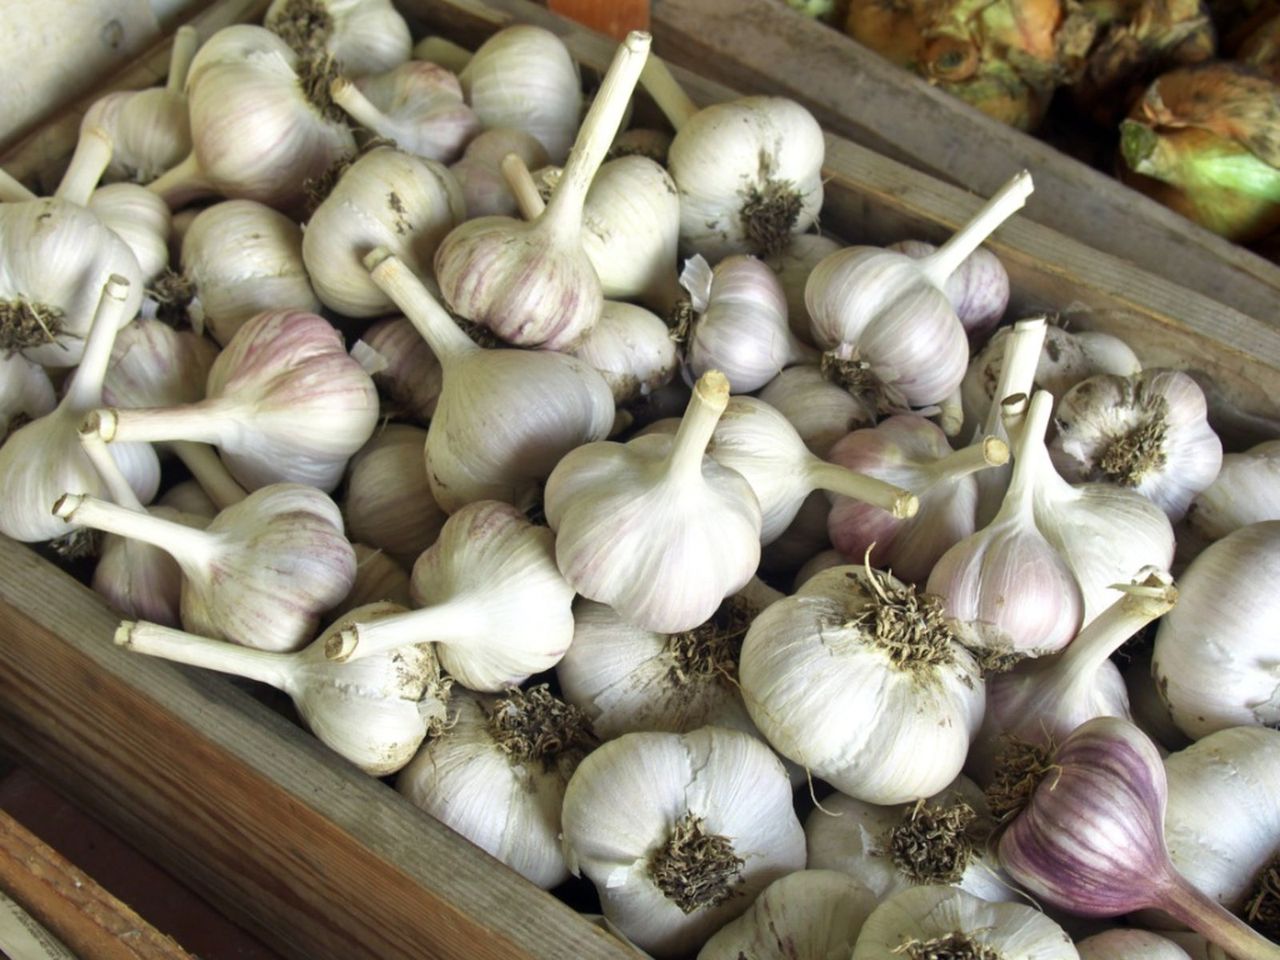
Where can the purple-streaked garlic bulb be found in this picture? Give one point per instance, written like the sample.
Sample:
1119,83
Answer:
364,36
912,453
532,283
793,265
479,172
821,411
1246,490
978,289
418,105
405,371
889,312
388,502
739,323
260,574
154,365
1148,432
284,403
631,348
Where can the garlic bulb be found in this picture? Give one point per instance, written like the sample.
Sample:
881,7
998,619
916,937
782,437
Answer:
284,403
912,453
378,578
43,459
1244,492
504,417
149,129
407,374
861,680
888,313
654,528
1148,710
739,323
806,915
479,172
642,142
25,392
386,198
680,832
930,922
1148,432
523,77
239,259
511,757
820,411
532,283
189,497
443,52
1223,628
938,840
139,218
631,348
365,36
492,601
374,712
256,132
1129,945
1007,589
626,678
418,105
153,364
978,290
388,503
793,264
816,564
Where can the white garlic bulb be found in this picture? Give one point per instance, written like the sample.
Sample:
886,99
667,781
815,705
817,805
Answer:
365,36
680,832
653,527
25,392
386,198
631,348
479,172
978,290
1129,945
938,840
139,218
388,503
1223,627
153,365
1246,490
862,681
523,77
189,497
508,760
1148,432
821,411
936,921
239,259
806,915
418,105
378,579
793,264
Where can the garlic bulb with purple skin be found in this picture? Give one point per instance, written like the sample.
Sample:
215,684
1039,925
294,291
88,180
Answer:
256,132
820,411
1091,838
889,311
504,418
493,602
912,453
284,404
978,289
418,105
1246,490
1006,588
365,36
479,172
260,574
388,503
1148,432
26,393
739,323
43,459
154,365
631,348
406,372
654,528
375,712
793,264
532,283
386,198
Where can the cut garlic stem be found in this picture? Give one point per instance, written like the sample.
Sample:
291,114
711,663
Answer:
108,470
265,666
88,163
185,42
710,397
359,108
12,190
837,479
1142,602
520,180
563,216
991,452
202,423
1013,415
432,321
449,623
1022,483
85,391
1018,367
951,414
667,93
187,545
940,264
209,472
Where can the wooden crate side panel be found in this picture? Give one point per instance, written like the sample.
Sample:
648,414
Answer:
319,860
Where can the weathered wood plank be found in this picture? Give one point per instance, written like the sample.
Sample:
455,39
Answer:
317,859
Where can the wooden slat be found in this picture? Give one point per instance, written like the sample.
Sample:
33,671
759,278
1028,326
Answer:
71,905
760,46
317,859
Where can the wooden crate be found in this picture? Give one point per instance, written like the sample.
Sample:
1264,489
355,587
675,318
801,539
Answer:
323,862
762,46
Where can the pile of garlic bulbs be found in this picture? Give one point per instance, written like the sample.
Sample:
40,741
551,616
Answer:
727,593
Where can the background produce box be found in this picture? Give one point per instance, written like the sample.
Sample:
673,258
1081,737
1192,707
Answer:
320,860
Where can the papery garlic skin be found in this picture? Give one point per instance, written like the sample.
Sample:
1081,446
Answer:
366,36
1148,432
821,411
479,171
25,392
1129,945
978,290
1246,490
388,503
524,77
806,915
386,198
924,916
626,799
884,721
139,218
731,159
1224,628
631,348
793,265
